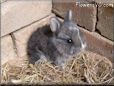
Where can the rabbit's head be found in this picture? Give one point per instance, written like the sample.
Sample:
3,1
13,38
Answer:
67,38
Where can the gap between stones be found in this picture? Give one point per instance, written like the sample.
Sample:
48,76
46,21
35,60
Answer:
28,24
97,19
14,44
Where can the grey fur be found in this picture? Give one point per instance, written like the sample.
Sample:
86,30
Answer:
65,41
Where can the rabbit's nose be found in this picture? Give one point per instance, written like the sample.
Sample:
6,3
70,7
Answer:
83,45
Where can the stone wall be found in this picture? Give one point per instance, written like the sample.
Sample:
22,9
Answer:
19,19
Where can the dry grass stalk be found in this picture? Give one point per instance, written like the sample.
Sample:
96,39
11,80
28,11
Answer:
86,68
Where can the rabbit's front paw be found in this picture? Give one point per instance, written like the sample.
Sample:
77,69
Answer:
41,61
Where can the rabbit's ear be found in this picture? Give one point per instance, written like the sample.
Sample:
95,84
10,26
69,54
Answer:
68,16
54,24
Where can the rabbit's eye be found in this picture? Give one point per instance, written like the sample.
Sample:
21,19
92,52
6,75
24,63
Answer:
69,41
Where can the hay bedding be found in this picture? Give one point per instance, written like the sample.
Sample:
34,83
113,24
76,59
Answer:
87,68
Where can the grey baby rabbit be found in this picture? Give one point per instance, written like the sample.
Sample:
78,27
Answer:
64,42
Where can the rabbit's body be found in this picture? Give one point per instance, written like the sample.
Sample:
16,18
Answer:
65,41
